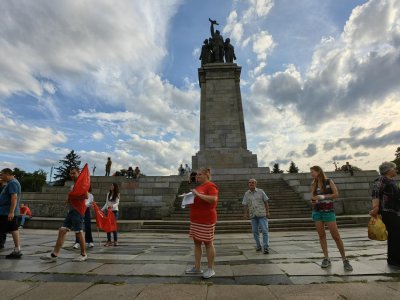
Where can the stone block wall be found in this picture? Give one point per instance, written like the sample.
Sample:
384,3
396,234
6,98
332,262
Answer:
150,197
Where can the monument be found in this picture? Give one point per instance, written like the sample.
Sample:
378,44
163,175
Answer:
223,142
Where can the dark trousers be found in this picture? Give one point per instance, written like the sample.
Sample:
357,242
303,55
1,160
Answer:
392,223
88,228
3,237
115,234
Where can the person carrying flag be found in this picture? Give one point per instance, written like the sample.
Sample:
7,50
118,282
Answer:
74,219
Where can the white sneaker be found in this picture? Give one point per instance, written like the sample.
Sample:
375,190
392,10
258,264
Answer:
208,273
76,246
80,258
49,258
90,245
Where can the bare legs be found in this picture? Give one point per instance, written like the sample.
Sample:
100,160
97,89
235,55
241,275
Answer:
62,232
210,250
332,226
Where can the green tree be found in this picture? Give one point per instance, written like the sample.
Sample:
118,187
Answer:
31,182
397,159
276,169
70,160
293,168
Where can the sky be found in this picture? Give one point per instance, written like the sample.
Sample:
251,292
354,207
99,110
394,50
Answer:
319,82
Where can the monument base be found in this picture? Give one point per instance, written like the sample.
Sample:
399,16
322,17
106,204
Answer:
224,159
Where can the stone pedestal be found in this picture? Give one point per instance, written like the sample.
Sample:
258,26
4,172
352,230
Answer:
222,132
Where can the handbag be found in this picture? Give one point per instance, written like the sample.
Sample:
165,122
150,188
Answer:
377,229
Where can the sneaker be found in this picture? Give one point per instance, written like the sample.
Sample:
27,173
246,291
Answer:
90,245
14,255
258,249
116,244
76,246
347,266
80,258
326,262
266,251
193,271
108,244
208,273
20,227
49,258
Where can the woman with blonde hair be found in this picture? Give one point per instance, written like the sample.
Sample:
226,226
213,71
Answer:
203,217
323,191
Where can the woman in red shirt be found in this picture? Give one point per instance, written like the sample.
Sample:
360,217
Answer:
203,216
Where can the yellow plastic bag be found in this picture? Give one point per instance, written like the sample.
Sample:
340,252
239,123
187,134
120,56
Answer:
377,229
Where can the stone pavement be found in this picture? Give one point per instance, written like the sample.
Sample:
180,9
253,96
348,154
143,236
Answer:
149,265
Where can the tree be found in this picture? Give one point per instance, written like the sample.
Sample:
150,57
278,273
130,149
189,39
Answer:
293,168
31,182
70,160
276,169
397,159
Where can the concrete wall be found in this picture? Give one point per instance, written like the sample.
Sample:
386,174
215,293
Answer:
150,197
354,191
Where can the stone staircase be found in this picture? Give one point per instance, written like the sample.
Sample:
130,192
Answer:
288,211
151,203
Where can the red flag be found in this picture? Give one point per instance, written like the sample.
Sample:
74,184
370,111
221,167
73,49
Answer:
105,222
79,193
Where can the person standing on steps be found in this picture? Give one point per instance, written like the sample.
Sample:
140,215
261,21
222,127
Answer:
108,166
255,203
323,191
203,217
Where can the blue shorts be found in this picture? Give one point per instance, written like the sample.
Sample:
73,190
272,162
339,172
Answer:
73,221
322,216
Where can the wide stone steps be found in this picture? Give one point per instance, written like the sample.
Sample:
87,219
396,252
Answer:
243,226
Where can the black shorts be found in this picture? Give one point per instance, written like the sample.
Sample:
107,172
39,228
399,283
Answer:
8,226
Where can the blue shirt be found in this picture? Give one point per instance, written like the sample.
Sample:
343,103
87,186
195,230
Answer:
12,187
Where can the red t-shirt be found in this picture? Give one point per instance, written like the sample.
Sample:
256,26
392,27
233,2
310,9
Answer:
201,211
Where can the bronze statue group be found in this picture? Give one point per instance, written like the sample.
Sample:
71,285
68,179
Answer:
215,50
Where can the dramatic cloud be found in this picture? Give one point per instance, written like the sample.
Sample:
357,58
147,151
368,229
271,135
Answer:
66,41
310,151
341,157
358,68
361,154
19,137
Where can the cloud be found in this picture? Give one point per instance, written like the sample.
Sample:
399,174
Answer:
19,137
236,24
98,136
65,41
349,73
292,154
263,44
361,154
310,151
341,157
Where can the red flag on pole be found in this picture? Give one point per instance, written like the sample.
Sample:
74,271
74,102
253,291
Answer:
105,222
79,193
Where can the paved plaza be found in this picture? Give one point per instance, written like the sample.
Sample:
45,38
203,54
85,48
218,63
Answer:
148,265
